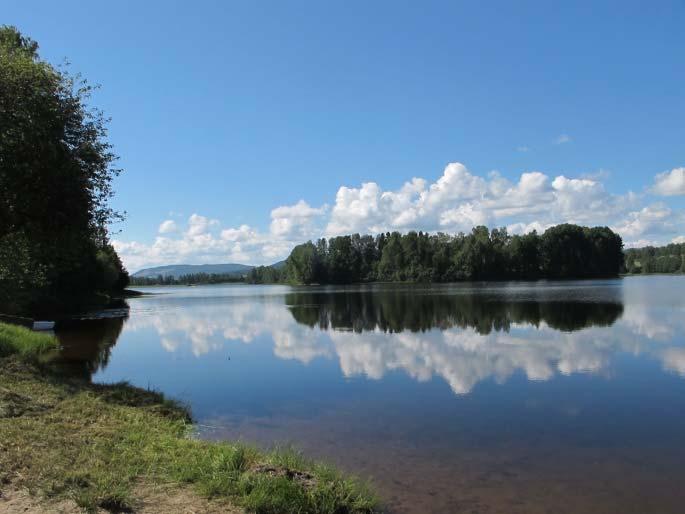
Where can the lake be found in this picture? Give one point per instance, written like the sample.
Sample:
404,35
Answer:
522,397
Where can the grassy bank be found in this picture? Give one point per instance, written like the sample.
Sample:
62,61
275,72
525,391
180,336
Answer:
63,438
15,340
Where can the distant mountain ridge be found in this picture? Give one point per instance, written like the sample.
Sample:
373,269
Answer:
177,270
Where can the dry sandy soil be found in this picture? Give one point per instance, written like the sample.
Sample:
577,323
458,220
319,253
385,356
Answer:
152,500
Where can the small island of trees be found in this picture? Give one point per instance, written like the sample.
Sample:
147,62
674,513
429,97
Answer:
563,251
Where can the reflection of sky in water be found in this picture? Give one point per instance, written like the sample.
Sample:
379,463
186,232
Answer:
652,326
496,397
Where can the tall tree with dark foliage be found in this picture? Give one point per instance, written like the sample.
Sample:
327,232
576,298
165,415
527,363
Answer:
56,172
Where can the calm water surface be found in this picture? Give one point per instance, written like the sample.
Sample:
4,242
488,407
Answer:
547,397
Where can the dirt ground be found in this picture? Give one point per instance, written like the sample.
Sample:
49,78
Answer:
151,500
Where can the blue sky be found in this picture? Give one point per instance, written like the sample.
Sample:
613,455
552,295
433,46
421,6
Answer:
238,123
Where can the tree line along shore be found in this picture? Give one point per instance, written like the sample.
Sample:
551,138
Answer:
562,252
656,259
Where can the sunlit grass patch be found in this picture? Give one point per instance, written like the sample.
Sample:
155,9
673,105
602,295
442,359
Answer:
22,341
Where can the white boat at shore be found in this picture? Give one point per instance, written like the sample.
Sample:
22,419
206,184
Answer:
43,325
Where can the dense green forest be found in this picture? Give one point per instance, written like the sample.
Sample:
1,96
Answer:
664,259
56,172
563,251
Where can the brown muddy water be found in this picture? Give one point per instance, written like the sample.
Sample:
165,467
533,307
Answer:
522,397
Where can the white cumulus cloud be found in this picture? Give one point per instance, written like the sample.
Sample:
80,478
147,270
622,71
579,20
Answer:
455,201
167,227
299,220
670,183
649,219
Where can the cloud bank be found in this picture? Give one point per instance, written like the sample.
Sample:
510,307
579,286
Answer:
455,202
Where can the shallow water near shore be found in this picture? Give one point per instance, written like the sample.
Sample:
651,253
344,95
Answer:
527,397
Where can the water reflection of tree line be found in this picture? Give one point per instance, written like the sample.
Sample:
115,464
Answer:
395,311
87,345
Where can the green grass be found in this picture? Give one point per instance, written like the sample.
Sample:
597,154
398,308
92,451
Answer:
67,439
24,342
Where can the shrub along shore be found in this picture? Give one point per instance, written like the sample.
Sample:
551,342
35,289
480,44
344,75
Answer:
64,438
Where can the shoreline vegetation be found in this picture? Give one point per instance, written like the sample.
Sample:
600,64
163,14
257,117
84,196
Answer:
564,251
669,259
102,446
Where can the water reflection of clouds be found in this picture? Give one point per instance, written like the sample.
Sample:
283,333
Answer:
461,356
641,322
208,328
674,360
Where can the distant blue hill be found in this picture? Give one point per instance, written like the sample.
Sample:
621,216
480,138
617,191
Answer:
176,270
278,265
